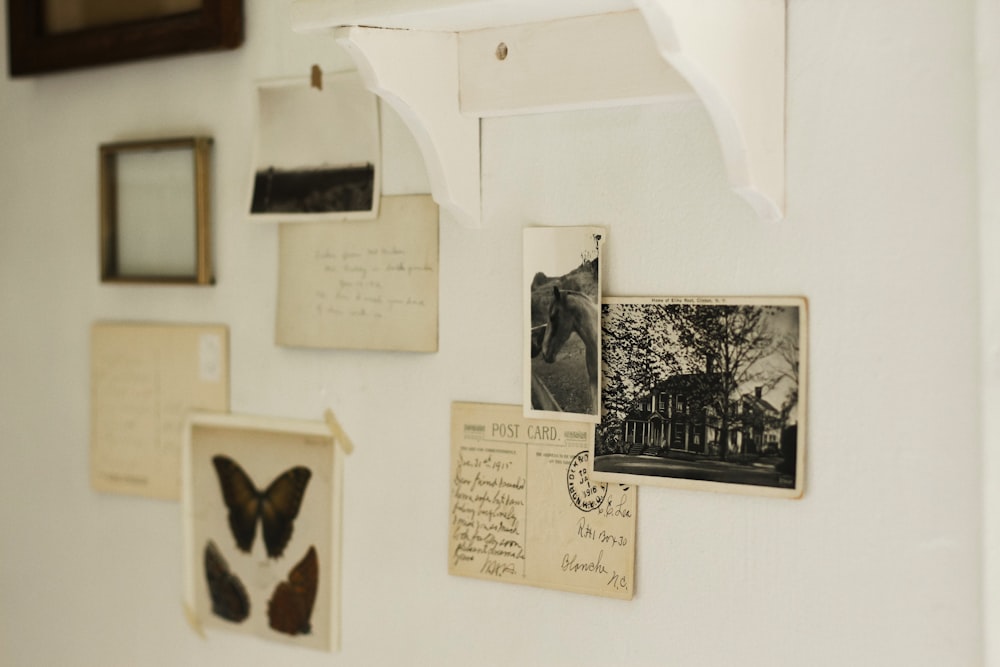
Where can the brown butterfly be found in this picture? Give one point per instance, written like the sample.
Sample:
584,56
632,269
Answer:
276,507
229,597
291,604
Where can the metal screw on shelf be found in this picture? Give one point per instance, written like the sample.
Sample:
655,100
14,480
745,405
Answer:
501,51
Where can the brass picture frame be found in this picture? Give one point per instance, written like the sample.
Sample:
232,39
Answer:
155,216
86,33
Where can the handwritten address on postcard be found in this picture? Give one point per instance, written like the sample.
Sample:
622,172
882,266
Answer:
525,510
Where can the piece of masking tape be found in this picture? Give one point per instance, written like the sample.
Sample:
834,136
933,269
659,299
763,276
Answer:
338,432
192,619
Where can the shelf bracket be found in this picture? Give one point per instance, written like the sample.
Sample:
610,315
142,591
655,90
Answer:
443,77
416,72
732,52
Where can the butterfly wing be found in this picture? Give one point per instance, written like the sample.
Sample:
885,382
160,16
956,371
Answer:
229,597
241,498
279,505
290,608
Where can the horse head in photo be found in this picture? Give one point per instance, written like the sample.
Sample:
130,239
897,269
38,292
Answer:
582,279
573,312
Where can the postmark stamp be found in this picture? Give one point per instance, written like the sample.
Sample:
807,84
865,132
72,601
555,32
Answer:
585,493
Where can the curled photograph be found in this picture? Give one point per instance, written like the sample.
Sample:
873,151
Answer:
316,151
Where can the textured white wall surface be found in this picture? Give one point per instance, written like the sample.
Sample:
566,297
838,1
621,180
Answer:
988,52
879,563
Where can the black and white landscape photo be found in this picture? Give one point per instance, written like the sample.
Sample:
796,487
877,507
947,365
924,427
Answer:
704,393
562,296
317,151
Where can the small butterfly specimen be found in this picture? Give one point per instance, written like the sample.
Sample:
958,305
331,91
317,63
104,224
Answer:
291,604
276,507
229,597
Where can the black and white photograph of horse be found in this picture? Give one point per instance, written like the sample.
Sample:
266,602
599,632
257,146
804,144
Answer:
562,320
317,151
704,393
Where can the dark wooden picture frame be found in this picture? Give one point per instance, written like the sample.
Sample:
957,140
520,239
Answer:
164,245
215,25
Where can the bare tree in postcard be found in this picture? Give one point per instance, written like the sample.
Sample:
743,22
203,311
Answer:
562,292
703,392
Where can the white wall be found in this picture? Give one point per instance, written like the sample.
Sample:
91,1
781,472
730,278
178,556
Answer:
988,53
879,563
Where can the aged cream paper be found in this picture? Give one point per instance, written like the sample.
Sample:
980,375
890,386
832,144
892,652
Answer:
144,379
362,285
524,510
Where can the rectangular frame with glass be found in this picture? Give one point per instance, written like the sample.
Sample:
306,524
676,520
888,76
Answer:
52,35
155,221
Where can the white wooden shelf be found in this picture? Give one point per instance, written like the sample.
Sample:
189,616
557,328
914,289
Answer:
444,64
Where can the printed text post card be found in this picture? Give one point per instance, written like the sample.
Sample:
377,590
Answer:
524,508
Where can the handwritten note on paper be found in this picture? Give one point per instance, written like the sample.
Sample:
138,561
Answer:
144,380
362,284
523,508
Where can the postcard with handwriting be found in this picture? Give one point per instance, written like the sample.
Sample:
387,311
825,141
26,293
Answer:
144,378
362,285
524,509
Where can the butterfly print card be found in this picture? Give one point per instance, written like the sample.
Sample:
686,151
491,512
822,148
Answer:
261,501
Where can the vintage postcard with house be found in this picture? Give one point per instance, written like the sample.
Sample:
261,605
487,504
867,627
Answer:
704,393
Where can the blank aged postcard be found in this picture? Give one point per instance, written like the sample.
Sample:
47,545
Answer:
363,285
144,378
524,509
